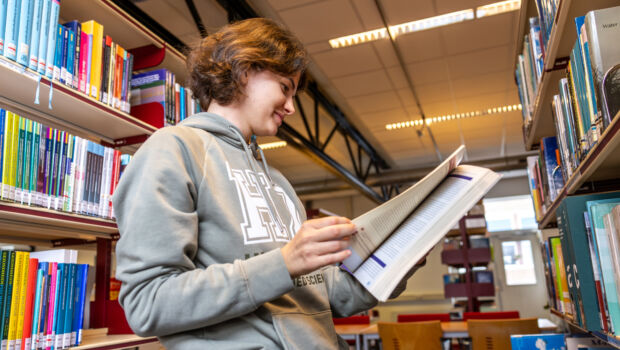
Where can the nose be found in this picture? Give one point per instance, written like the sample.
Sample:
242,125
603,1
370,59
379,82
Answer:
289,106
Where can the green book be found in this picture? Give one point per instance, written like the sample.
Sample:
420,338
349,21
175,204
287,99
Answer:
6,302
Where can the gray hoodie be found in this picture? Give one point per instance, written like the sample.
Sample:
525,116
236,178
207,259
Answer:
202,222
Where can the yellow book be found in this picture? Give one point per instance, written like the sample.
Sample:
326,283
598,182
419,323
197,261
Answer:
15,299
22,300
14,155
6,164
96,31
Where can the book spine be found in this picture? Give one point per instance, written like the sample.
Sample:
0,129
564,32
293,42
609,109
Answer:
15,299
61,305
10,277
25,26
82,61
58,51
128,82
38,329
124,78
97,54
27,162
35,35
115,177
34,162
51,305
80,302
69,306
105,76
29,297
2,23
4,271
62,166
110,73
11,29
14,156
43,36
2,122
69,62
70,175
8,140
52,35
117,75
20,159
77,28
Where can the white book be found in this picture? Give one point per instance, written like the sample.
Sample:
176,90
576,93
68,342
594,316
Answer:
393,237
56,255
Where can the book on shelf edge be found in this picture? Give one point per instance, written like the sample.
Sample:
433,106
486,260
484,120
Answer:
394,236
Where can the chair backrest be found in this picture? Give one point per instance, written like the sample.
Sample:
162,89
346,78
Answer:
352,320
495,334
423,317
492,315
411,335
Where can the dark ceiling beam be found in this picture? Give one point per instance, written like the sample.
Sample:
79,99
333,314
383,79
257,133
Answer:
194,12
141,16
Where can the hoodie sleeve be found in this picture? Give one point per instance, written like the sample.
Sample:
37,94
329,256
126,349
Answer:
163,292
346,296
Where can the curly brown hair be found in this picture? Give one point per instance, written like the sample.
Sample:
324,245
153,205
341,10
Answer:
218,64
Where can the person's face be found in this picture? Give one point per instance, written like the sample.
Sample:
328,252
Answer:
268,100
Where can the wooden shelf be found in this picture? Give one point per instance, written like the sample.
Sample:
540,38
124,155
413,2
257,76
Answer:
601,163
608,338
124,30
34,225
476,256
98,339
561,41
71,110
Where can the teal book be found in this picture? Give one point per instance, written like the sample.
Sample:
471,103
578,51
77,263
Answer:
597,210
42,52
6,302
2,21
570,214
11,25
26,164
35,34
51,38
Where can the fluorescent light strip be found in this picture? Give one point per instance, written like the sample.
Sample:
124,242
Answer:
497,8
443,118
272,145
426,23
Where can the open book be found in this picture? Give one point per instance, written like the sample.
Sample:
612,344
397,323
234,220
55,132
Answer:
394,236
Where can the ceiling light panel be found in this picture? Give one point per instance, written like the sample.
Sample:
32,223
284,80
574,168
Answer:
497,8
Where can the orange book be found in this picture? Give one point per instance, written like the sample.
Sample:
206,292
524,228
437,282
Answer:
33,267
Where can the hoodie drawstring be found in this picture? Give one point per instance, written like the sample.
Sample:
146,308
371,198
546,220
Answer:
249,155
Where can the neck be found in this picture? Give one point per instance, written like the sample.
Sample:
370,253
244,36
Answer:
233,115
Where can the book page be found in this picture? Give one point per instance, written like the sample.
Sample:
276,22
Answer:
424,228
374,226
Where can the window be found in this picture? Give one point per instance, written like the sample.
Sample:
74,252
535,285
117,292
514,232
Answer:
509,213
518,262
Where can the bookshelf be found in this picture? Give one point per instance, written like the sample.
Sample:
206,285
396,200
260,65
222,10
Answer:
81,115
468,257
563,36
601,163
597,172
609,339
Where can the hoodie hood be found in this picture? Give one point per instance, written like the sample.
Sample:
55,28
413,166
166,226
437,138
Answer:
218,126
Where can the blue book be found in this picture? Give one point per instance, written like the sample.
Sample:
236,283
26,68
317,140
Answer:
59,304
43,35
2,23
68,56
51,38
61,61
74,53
25,26
80,303
11,30
538,341
60,31
553,172
35,34
597,209
182,103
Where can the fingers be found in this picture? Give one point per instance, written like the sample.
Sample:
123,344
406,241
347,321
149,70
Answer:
335,232
327,221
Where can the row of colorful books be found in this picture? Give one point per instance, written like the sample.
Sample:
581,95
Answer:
557,341
47,167
545,176
581,110
530,66
76,54
42,299
160,86
583,263
547,10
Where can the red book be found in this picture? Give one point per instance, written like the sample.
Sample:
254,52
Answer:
116,165
33,267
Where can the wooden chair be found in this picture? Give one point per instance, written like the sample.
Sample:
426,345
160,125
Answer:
423,317
411,336
492,315
495,334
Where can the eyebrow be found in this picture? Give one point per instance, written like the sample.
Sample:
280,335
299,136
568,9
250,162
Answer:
292,83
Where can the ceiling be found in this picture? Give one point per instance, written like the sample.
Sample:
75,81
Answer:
454,69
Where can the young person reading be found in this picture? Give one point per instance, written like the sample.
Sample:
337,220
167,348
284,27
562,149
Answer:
215,252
